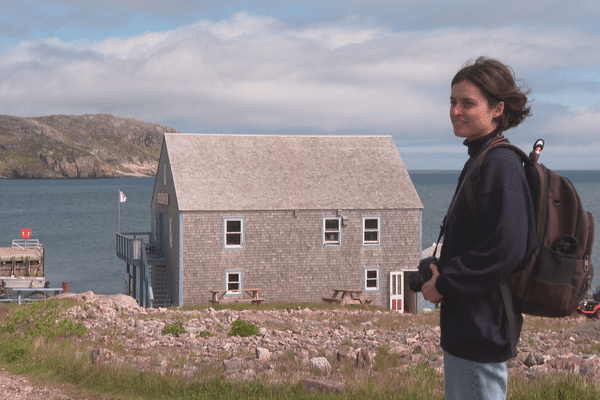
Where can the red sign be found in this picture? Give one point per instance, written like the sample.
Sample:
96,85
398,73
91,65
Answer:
26,233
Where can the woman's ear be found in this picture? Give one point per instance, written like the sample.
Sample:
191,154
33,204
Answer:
499,109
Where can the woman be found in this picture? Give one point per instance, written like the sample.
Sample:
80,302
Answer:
482,246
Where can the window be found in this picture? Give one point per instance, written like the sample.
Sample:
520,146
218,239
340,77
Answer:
371,231
332,231
371,279
233,233
233,282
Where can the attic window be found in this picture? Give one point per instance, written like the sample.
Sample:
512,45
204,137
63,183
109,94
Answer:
332,231
234,232
371,231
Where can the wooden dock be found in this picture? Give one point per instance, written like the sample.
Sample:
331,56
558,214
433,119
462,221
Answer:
22,265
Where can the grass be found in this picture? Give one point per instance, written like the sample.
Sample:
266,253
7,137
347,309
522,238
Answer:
35,341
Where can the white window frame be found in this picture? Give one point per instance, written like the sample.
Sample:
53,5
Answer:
368,278
228,282
242,222
327,241
366,230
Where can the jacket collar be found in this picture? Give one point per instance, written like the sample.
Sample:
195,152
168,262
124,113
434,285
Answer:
476,146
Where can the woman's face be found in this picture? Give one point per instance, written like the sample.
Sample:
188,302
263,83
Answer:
470,113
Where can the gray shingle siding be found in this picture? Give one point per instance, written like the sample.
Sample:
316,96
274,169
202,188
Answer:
285,257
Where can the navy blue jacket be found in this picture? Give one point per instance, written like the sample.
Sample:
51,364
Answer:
480,250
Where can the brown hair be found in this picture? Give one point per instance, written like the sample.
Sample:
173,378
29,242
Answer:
497,83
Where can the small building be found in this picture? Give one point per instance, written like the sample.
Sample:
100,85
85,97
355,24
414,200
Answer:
295,216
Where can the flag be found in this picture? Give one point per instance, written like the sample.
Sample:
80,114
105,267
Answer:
122,197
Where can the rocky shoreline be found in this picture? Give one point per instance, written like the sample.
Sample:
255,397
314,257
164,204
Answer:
302,344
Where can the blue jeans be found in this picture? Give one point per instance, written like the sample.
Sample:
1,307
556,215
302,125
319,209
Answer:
470,380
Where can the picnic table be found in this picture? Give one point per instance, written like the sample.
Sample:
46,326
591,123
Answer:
348,296
220,296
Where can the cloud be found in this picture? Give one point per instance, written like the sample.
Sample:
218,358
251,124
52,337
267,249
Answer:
256,73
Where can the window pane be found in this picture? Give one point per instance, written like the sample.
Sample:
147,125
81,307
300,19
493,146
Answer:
234,239
233,286
372,274
234,226
371,223
371,283
332,224
331,236
371,236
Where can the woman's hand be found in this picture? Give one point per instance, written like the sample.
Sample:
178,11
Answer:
429,291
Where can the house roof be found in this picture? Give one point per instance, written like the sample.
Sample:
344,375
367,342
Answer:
261,172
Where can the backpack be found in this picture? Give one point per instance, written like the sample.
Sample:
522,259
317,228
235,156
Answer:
557,276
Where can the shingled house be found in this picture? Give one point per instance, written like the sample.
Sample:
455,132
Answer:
293,215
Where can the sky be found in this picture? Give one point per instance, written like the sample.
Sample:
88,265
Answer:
345,67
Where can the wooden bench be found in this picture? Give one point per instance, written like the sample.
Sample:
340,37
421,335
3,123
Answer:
229,296
348,296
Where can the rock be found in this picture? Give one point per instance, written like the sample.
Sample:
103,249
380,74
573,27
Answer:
590,369
319,365
364,359
233,365
345,353
322,386
263,354
102,356
534,358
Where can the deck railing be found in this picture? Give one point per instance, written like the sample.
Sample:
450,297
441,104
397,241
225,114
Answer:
25,244
131,248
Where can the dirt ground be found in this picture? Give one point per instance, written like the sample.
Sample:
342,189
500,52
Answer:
15,387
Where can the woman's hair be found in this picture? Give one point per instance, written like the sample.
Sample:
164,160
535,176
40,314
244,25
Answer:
497,83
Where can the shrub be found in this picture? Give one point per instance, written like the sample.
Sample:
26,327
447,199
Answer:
173,329
42,318
15,350
243,328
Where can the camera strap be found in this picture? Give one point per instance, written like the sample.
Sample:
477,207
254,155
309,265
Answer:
442,227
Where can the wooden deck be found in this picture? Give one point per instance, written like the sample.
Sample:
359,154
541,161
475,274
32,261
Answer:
24,259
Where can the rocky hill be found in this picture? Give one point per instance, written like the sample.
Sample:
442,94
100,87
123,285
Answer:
81,146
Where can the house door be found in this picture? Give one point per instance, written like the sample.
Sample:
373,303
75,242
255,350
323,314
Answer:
402,299
396,286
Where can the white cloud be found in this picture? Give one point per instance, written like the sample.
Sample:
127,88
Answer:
256,73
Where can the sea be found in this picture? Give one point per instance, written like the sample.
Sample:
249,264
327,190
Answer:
76,220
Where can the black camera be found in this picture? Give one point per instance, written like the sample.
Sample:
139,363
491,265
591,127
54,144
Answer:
417,278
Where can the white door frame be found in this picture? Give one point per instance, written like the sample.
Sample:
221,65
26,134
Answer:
396,292
401,297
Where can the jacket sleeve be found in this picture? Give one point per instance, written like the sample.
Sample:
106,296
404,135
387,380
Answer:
496,237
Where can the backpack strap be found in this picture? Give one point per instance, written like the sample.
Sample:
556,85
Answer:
468,180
